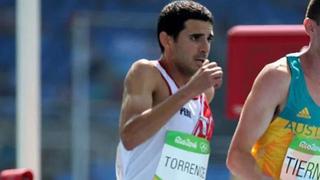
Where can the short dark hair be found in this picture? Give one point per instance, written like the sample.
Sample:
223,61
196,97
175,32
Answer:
174,15
313,11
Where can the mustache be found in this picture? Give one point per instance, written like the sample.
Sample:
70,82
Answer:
201,57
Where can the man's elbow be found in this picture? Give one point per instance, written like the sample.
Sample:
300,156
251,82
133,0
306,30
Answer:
127,140
233,160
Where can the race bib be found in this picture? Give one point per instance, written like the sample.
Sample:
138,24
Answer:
302,160
184,157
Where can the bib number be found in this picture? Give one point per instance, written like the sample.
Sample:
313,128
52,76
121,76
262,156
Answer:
184,157
302,160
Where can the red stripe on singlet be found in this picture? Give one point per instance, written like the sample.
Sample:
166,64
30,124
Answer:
198,130
208,114
170,92
163,66
166,70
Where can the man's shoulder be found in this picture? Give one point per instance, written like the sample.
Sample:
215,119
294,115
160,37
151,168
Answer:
272,83
143,66
142,71
275,74
277,70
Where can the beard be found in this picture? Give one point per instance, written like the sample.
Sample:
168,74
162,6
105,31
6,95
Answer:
185,69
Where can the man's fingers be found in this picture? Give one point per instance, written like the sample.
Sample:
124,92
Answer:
205,62
210,65
213,69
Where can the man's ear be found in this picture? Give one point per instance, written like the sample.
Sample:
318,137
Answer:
309,25
165,40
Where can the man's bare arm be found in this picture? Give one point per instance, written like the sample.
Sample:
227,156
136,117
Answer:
255,118
139,120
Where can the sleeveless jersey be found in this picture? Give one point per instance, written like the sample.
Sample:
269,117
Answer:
141,162
301,116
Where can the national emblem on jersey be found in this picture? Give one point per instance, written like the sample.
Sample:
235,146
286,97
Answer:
205,125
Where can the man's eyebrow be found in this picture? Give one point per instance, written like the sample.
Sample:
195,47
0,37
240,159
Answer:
201,34
197,34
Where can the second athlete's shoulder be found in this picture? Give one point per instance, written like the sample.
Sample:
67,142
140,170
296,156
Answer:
272,83
277,70
274,77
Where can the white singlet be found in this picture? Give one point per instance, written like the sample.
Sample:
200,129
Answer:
141,162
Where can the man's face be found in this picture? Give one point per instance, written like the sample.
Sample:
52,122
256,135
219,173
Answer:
192,46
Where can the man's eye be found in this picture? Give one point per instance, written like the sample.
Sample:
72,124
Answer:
210,38
194,38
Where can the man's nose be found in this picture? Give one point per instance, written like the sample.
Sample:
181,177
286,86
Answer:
205,46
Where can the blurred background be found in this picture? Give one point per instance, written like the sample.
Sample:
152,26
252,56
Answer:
112,34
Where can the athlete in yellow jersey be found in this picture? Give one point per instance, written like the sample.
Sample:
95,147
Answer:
300,117
284,103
